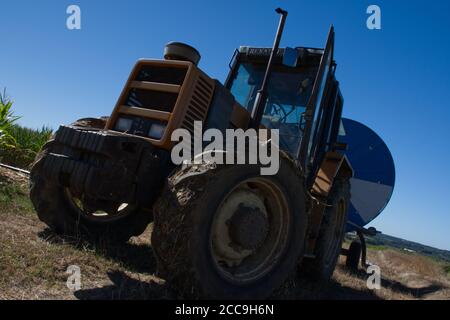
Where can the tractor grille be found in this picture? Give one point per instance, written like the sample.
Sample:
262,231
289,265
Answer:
197,107
151,99
160,97
162,74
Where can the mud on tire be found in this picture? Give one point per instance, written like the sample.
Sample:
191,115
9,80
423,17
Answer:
54,208
184,216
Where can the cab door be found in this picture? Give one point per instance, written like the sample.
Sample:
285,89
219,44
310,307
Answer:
315,108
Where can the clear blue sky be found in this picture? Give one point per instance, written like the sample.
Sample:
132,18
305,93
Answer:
396,80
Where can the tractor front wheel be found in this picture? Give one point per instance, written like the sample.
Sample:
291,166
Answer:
227,232
78,215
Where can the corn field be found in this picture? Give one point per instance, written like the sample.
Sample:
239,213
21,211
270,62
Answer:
18,145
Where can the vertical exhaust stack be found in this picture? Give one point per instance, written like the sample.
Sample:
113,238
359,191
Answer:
181,51
261,96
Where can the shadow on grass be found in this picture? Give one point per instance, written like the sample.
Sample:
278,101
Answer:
134,257
137,258
333,290
304,289
124,287
140,258
401,288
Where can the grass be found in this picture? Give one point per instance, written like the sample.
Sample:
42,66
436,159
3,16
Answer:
447,269
18,145
376,247
33,260
14,197
33,264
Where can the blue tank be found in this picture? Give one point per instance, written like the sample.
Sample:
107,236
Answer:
374,172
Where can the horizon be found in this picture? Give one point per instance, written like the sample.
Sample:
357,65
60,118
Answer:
395,80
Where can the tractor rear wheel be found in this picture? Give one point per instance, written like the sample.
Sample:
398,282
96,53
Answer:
227,232
353,256
331,234
77,215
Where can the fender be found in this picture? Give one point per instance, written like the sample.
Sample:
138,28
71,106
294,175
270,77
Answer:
333,165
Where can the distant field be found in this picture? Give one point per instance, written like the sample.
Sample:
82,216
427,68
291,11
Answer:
33,264
386,241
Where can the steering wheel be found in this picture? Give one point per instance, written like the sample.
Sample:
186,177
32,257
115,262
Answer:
280,111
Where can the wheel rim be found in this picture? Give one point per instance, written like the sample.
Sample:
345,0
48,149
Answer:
97,211
250,230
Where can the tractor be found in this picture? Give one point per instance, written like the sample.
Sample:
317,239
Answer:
219,231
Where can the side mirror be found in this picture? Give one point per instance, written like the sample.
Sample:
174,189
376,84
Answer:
290,57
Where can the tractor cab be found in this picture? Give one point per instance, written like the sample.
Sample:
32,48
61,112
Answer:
303,98
289,90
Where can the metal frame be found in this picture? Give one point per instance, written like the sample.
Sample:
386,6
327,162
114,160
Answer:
361,232
303,155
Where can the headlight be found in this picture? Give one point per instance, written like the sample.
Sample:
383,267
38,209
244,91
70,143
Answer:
123,124
156,130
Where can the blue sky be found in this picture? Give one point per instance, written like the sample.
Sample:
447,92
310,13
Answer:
395,80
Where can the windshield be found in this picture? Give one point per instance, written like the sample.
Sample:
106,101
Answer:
288,93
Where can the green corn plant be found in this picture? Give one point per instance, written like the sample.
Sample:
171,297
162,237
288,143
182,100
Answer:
30,139
27,144
7,119
18,145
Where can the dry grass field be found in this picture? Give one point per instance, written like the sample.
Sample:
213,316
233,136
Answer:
33,264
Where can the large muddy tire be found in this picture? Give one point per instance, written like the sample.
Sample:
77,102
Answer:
56,207
331,234
218,233
90,123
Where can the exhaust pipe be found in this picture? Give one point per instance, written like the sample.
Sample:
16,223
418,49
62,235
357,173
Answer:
181,51
261,96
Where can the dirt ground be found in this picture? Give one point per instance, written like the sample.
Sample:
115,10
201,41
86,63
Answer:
34,261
